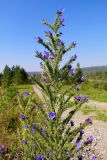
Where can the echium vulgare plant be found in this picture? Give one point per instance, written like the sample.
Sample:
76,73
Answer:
46,132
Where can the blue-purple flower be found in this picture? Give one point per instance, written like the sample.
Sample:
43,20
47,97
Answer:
35,125
40,157
46,55
74,57
22,117
46,79
1,148
79,144
26,94
90,139
72,72
86,98
52,115
72,122
94,158
43,130
60,11
24,142
34,145
80,157
26,127
39,40
48,33
69,66
81,132
33,130
74,44
81,79
78,98
77,88
89,120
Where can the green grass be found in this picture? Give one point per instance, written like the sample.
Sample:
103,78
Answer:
99,114
24,88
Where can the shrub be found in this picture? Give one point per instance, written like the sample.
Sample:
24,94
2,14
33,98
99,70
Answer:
43,132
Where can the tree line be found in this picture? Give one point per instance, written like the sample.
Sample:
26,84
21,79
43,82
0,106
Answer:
15,75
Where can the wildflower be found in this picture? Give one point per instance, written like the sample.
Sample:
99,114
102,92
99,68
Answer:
46,79
74,57
40,157
43,130
72,122
72,72
46,55
33,130
26,126
24,142
48,33
1,148
60,33
22,117
60,11
34,145
90,139
80,157
74,44
44,21
52,115
81,132
94,158
81,79
88,120
79,144
26,94
86,98
34,124
39,40
69,66
79,98
77,88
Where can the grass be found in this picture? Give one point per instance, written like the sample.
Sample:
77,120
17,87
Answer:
24,88
96,113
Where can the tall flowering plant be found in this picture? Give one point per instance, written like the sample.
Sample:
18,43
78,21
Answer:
44,132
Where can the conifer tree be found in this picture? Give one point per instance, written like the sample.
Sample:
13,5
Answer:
6,78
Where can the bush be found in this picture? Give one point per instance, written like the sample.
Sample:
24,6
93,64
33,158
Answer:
43,133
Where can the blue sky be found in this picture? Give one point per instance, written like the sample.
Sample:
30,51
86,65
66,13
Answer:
20,22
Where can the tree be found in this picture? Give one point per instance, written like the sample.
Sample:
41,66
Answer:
54,137
6,78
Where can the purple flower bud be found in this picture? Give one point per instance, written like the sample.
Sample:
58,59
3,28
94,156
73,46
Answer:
48,33
38,53
39,40
35,125
46,55
40,157
80,157
33,130
88,120
77,88
74,57
22,117
69,66
1,147
60,11
90,139
26,94
43,130
60,33
52,115
24,142
94,158
72,72
82,79
44,21
74,44
34,145
46,79
79,98
81,132
86,98
79,144
72,122
26,126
